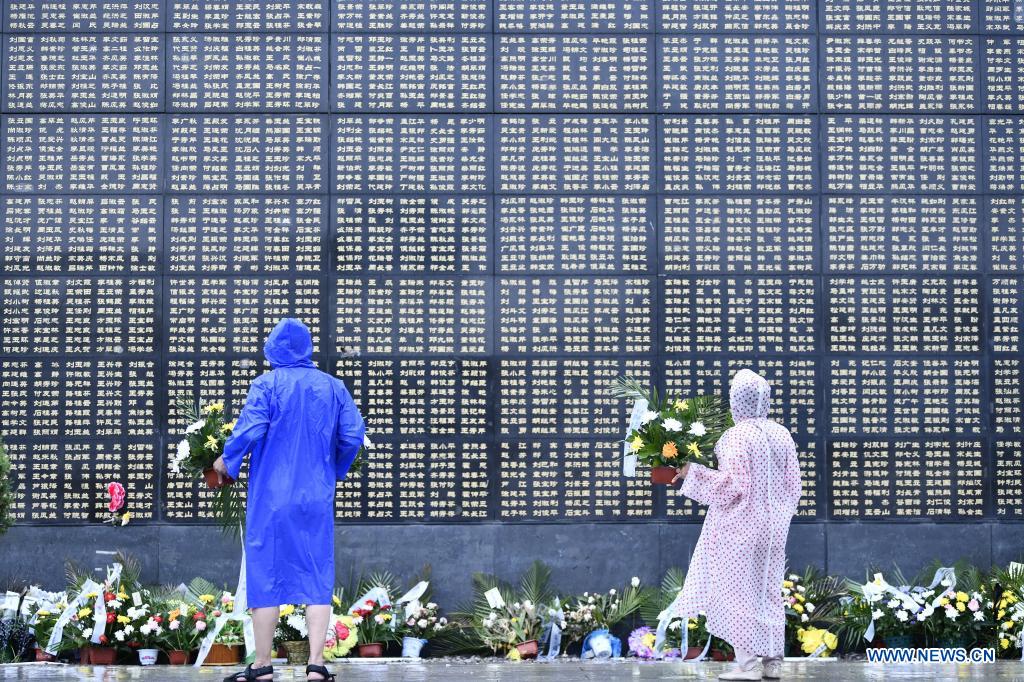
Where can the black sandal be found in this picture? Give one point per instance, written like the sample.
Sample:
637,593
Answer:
320,670
250,675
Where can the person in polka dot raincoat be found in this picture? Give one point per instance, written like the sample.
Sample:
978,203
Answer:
736,571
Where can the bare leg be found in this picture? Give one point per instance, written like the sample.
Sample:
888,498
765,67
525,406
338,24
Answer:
318,618
264,622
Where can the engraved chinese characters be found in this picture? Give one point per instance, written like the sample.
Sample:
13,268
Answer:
486,210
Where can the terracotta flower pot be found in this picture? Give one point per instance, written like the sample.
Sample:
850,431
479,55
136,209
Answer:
693,652
83,655
211,479
224,654
43,657
102,655
178,657
663,475
374,650
527,649
719,655
297,651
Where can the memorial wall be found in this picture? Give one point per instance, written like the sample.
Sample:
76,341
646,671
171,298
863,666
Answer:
486,211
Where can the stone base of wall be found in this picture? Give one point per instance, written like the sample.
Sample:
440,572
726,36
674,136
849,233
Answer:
583,556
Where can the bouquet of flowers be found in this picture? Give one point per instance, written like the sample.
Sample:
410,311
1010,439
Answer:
812,640
291,625
203,443
185,628
423,622
673,431
641,642
512,624
811,600
601,610
342,637
373,621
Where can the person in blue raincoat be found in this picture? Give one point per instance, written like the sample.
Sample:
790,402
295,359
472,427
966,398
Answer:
302,431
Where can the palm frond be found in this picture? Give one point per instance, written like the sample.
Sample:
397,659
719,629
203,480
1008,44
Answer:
382,579
657,599
131,569
535,584
630,388
200,586
631,600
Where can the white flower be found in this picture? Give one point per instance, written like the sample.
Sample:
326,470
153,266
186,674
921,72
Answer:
119,635
113,604
672,424
174,625
379,619
809,607
635,582
979,615
801,588
437,626
443,621
698,429
893,603
648,416
951,613
612,591
902,616
794,576
183,451
921,617
298,622
431,606
928,610
422,622
804,618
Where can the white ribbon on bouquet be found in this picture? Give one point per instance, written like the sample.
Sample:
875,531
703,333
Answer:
665,618
553,631
238,612
99,609
879,587
635,421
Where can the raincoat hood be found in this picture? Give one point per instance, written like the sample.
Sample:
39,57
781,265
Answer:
750,396
289,345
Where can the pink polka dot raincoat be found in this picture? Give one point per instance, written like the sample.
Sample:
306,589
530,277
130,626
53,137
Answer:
735,575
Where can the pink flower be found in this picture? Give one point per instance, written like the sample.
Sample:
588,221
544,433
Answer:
200,625
116,492
973,605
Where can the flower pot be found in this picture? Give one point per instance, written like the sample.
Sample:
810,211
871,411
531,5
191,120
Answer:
693,652
178,657
412,646
297,650
83,655
528,649
102,655
43,657
211,479
899,641
719,655
374,650
663,475
224,654
148,656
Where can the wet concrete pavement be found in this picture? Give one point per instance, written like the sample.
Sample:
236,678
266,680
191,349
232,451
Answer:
633,671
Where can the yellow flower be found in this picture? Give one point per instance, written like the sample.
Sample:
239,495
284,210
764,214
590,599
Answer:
669,451
211,442
387,617
962,596
694,448
1007,625
1010,598
123,620
960,606
1004,643
649,640
1002,612
214,407
799,597
42,612
287,610
335,600
125,518
680,405
798,608
691,625
173,615
944,601
513,655
92,595
636,444
84,613
206,598
787,583
227,428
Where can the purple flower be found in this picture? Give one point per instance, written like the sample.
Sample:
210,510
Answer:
641,642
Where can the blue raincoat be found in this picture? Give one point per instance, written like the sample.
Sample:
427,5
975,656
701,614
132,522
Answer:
302,431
